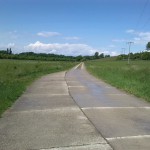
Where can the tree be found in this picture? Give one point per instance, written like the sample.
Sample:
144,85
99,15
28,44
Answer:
7,51
148,46
146,56
10,51
96,55
101,55
107,56
79,58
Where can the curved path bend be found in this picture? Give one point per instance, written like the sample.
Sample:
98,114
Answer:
75,111
46,117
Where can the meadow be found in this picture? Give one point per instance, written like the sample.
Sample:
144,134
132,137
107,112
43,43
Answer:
134,78
16,75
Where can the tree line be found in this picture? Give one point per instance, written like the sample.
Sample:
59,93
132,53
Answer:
137,56
7,54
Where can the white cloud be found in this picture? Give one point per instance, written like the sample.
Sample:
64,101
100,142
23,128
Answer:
72,38
65,49
48,34
119,40
144,36
140,37
130,31
111,46
11,45
13,35
111,53
12,32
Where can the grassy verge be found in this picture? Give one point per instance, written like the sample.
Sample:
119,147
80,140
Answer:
16,75
133,78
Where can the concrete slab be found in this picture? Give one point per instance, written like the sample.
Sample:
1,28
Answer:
46,129
119,122
48,84
46,117
85,100
74,83
131,144
119,117
97,93
42,101
53,88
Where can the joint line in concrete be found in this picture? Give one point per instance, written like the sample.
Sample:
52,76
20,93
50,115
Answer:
128,137
88,108
105,146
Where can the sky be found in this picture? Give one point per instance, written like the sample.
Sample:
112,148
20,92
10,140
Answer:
74,27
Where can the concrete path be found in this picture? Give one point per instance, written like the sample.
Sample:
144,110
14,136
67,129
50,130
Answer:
122,119
46,117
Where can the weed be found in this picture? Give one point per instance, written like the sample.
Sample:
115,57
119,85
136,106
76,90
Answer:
16,75
133,78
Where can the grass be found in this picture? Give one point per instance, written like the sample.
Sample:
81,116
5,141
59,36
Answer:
133,78
16,75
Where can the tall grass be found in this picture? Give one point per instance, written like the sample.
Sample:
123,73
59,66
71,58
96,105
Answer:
16,75
133,78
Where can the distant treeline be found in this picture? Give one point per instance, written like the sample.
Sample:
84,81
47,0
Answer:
7,54
135,56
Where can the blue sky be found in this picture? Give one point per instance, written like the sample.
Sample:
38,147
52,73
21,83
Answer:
74,27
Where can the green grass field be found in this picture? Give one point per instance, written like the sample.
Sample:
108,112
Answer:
16,75
133,78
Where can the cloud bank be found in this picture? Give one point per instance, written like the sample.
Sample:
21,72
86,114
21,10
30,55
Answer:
48,34
64,49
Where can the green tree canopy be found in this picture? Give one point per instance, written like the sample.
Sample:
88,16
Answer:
148,46
96,55
101,55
